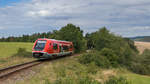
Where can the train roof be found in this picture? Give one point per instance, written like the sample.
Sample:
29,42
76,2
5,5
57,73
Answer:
54,40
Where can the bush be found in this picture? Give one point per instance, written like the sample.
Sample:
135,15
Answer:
92,68
131,44
141,63
78,75
115,48
22,52
111,56
140,68
96,58
117,80
88,80
105,58
74,34
79,80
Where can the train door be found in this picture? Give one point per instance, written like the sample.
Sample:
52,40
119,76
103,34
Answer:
50,48
60,48
55,47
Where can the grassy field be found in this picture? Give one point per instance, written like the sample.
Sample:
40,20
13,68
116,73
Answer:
137,79
10,54
8,49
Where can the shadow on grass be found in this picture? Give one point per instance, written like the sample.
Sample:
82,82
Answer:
2,61
22,52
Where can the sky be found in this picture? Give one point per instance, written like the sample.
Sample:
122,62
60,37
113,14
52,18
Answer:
122,17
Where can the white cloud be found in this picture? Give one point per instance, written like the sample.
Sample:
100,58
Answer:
39,13
1,27
43,13
31,13
120,16
141,28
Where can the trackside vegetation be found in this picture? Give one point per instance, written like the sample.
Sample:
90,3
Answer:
141,63
69,71
111,51
114,50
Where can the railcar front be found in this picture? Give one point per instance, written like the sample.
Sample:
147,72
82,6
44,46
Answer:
39,49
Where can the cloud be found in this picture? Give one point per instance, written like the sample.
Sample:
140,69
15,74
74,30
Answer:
141,28
1,28
121,17
39,13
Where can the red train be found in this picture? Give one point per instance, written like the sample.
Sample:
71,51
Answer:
47,48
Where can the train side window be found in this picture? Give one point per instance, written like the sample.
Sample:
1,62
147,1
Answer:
55,46
66,48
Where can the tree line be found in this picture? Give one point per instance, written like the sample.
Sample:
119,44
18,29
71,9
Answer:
70,32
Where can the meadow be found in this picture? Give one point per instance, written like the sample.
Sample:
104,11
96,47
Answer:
10,53
137,79
8,49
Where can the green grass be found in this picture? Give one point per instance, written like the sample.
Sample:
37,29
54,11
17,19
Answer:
8,49
10,54
138,79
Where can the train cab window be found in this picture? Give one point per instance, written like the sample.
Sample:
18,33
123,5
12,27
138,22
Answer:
40,45
55,46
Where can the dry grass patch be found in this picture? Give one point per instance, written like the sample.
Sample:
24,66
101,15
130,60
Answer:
141,46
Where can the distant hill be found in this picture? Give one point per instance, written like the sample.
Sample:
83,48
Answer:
141,38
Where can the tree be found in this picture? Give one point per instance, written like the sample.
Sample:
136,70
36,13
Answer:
74,34
123,50
90,41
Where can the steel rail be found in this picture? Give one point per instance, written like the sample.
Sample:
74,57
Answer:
12,69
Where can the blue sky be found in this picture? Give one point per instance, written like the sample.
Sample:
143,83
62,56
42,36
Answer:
122,17
9,2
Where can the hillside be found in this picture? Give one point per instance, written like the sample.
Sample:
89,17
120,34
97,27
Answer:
141,38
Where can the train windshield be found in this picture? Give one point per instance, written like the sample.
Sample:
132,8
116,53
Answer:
40,45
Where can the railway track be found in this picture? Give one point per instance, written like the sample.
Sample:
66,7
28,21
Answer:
12,69
5,72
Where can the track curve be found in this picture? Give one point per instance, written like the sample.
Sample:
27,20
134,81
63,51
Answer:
12,69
